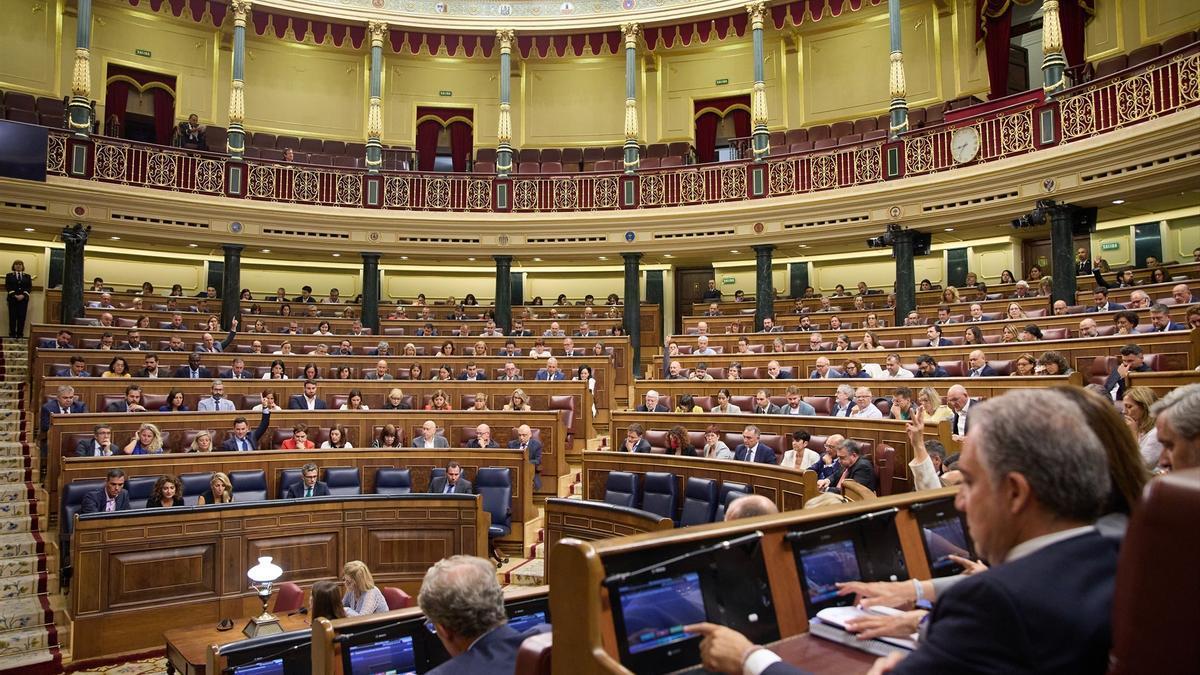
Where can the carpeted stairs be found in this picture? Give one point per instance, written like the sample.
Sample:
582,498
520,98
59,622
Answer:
28,637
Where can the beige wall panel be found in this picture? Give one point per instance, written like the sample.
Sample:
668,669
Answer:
1119,236
878,271
861,49
987,262
1162,19
28,44
579,102
407,284
963,63
122,271
304,90
687,76
183,49
576,284
410,82
1103,35
1182,237
744,279
264,280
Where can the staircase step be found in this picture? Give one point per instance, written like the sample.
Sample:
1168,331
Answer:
529,573
24,613
25,640
24,586
40,662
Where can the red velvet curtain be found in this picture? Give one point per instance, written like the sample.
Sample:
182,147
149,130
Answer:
427,143
999,29
706,137
116,98
164,115
461,143
741,122
1073,15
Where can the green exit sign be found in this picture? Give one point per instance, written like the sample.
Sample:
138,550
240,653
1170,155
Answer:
445,92
142,52
1110,246
722,81
728,281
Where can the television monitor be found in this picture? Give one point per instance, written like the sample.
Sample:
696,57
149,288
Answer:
394,647
861,548
650,614
281,654
23,151
943,533
526,614
824,563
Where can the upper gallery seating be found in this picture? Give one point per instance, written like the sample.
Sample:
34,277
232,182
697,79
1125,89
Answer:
575,160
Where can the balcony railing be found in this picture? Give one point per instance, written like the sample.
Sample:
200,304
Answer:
1166,85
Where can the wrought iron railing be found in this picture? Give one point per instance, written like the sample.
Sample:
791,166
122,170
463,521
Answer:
1157,88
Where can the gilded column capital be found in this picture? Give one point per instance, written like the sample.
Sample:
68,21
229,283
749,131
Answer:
81,74
506,37
378,31
758,13
631,32
241,10
504,126
897,85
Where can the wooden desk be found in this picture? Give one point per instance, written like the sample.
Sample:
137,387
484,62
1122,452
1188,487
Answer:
187,648
819,656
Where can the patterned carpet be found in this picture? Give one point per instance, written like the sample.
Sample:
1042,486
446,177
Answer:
28,638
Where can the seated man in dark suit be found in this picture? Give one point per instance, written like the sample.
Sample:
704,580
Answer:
978,365
774,372
472,372
1132,360
533,448
927,366
551,371
242,439
132,402
652,404
852,466
308,400
751,450
634,441
111,497
99,445
193,370
763,405
1160,318
462,598
1102,303
934,332
483,439
64,403
308,486
452,483
1030,525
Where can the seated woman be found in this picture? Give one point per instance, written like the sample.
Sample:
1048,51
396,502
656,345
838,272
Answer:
285,310
361,595
443,374
1024,366
932,407
1015,311
337,440
678,442
973,336
416,372
687,404
714,447
325,602
167,492
174,402
343,373
268,402
870,342
203,442
220,491
147,441
481,402
539,350
323,329
299,439
118,367
310,372
276,371
285,349
1053,363
447,349
355,401
388,438
723,405
518,400
852,368
409,349
439,401
395,401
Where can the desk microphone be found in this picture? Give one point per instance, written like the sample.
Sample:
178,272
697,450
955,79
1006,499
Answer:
302,610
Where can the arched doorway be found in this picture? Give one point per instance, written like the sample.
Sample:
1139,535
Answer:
718,122
139,105
445,138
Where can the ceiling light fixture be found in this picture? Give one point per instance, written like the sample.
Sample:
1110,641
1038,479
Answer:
193,245
265,250
337,255
115,238
1118,202
735,251
949,229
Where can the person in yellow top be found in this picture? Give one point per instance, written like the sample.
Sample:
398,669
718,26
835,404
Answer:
118,367
931,404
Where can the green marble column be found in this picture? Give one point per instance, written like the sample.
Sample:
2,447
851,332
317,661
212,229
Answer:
764,287
236,143
79,109
378,31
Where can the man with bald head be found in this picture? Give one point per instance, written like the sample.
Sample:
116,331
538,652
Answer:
532,447
1182,294
1060,308
749,507
381,371
1087,328
959,401
1178,425
978,365
483,439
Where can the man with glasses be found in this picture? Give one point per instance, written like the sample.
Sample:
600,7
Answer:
308,486
863,407
99,445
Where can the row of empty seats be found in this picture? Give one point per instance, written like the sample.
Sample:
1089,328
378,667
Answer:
1115,64
575,160
19,106
704,499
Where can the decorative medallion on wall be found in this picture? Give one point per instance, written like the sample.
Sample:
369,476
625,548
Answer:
758,228
503,240
79,211
236,227
1049,184
373,236
630,236
894,212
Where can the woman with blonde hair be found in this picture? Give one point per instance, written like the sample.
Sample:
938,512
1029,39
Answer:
1139,419
220,491
1009,333
931,402
362,595
518,400
147,441
202,442
1015,311
950,295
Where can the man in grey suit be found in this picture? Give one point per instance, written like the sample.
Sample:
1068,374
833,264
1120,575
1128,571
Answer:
763,405
380,372
429,437
452,482
99,445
